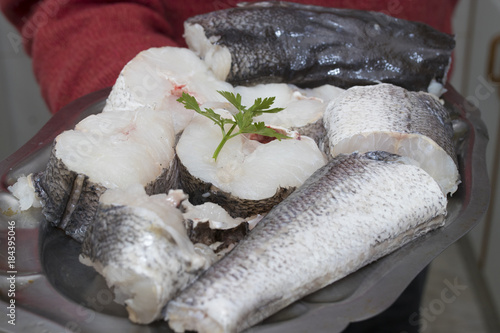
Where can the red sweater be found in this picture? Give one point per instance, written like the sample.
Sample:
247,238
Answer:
80,46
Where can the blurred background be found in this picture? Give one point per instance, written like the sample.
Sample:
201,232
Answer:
471,263
23,111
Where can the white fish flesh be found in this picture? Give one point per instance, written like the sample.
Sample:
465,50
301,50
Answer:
390,118
104,151
24,190
157,77
301,106
352,211
248,177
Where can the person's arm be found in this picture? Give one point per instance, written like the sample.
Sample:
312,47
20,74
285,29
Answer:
79,47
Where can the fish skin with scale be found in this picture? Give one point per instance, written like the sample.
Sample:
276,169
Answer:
390,118
358,206
310,45
70,199
139,244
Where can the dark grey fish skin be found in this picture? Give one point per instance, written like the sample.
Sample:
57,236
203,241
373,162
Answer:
201,232
167,180
310,45
318,133
442,129
69,200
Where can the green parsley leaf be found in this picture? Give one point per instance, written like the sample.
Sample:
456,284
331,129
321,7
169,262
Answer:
243,119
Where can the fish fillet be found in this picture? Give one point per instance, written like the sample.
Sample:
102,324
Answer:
104,151
311,45
390,118
352,211
140,245
156,77
248,177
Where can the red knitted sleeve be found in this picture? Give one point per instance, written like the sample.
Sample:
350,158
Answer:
78,47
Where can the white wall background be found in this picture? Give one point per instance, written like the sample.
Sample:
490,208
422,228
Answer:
477,22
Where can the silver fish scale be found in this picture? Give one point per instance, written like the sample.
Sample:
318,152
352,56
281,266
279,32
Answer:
115,229
394,108
347,214
69,200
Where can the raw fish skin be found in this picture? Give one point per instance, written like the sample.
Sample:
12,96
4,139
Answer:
310,45
69,199
352,211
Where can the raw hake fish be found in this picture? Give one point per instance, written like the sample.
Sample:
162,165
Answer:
249,177
140,246
251,174
390,118
310,45
156,77
130,142
352,211
105,151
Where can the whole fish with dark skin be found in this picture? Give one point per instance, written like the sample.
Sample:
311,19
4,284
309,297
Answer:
354,210
311,45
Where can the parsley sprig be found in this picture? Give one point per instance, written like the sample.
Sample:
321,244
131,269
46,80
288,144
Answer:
243,119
